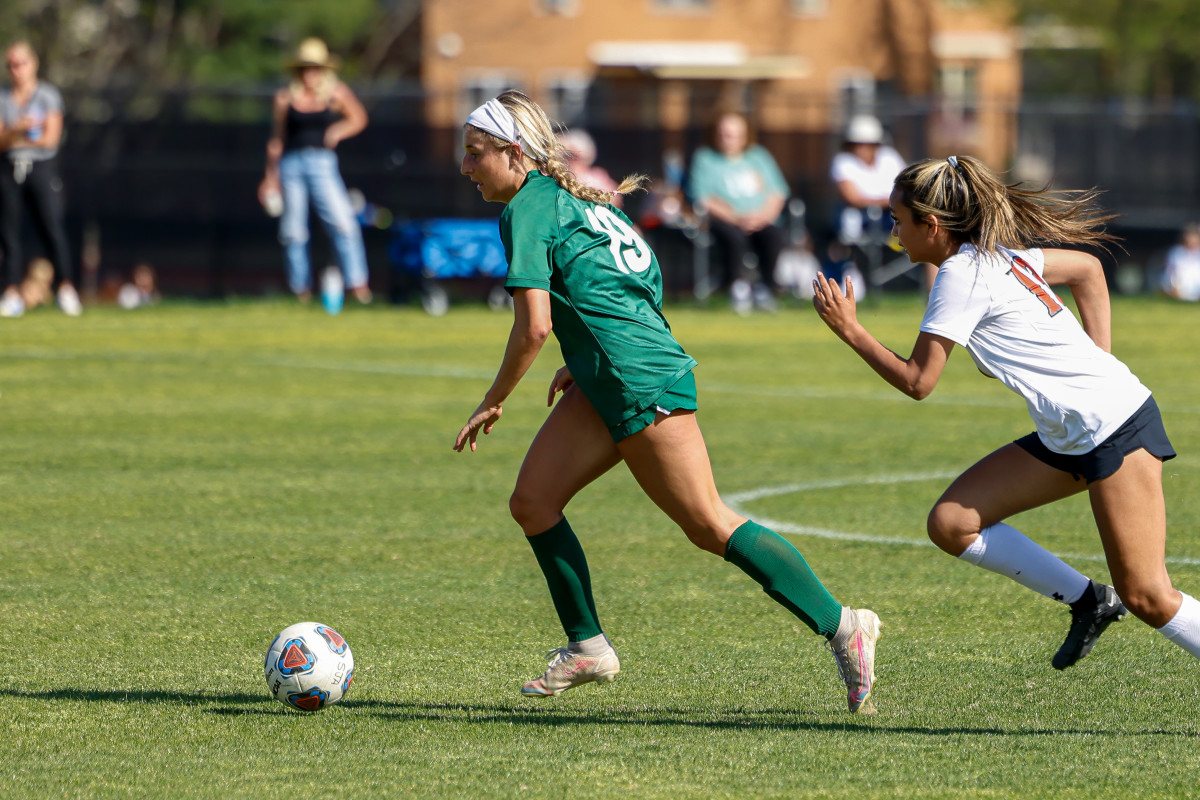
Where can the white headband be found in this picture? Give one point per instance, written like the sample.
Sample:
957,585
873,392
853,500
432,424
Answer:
496,120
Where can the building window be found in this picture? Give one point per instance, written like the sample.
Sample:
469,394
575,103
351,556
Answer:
478,89
857,93
556,8
686,6
809,8
566,98
957,85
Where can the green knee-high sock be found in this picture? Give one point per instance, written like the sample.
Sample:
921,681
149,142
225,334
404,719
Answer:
771,560
561,558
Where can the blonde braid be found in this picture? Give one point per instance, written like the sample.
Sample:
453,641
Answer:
542,147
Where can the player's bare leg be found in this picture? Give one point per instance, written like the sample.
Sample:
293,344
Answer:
1131,514
967,522
670,462
1000,485
571,450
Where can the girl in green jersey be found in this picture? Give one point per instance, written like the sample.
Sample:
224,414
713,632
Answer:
577,267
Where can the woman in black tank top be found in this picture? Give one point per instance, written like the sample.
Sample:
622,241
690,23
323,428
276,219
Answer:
307,128
311,116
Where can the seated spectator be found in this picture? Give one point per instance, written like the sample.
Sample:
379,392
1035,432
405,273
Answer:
581,160
863,173
739,186
1181,275
797,268
141,290
38,287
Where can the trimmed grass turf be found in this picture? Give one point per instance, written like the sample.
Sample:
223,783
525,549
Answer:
182,482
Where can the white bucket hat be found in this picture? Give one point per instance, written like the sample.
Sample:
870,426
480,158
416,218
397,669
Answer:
864,129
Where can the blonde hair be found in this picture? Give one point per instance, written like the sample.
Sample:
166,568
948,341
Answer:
324,88
540,144
976,207
23,45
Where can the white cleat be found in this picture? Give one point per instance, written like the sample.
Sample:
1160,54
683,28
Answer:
568,670
856,662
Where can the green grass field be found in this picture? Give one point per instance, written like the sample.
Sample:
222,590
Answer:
180,483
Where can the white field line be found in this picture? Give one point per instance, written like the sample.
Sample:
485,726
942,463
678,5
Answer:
483,374
738,500
735,500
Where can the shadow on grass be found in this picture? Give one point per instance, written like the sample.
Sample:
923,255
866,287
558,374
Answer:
229,704
764,719
236,704
241,703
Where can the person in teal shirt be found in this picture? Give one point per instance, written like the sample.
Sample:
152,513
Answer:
578,268
738,185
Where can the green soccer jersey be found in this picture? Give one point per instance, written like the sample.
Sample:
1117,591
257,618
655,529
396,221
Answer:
605,295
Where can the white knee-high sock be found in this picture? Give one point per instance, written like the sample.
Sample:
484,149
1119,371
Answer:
1003,549
1184,627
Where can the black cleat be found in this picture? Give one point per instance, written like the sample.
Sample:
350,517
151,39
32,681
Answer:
1094,611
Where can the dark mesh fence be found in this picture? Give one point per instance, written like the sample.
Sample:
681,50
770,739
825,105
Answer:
171,179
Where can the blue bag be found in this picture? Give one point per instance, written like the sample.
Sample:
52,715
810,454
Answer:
450,248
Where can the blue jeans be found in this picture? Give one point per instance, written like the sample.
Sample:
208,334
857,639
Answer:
313,173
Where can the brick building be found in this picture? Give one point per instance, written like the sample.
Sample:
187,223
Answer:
944,75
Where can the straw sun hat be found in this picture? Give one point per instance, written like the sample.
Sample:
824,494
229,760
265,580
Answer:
313,52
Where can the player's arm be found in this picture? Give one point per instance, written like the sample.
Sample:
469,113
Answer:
531,327
1084,275
915,376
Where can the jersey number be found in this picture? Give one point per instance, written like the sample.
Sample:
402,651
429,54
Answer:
628,249
1035,284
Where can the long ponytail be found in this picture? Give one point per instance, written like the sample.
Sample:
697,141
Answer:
976,207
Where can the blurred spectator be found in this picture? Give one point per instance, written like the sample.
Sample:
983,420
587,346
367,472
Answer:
1181,274
38,287
31,127
739,186
581,160
141,290
838,266
314,113
863,173
797,267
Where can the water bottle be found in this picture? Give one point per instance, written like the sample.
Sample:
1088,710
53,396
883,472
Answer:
332,289
273,203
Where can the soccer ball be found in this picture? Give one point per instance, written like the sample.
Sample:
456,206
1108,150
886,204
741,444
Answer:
309,666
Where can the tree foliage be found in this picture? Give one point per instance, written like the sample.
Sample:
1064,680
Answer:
1145,47
93,43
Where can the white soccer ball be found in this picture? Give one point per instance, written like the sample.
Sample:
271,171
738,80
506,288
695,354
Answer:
309,666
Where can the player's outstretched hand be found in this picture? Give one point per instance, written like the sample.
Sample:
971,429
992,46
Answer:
484,418
836,309
562,381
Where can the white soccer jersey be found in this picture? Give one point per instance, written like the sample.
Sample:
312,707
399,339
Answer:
1016,329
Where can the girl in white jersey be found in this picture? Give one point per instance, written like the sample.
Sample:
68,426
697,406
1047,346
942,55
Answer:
1098,428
